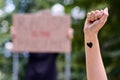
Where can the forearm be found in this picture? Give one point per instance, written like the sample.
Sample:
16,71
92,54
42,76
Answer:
94,64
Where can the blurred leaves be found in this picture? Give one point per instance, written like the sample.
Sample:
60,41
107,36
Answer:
2,3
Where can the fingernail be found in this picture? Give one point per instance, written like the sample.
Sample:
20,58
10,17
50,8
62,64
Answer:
106,9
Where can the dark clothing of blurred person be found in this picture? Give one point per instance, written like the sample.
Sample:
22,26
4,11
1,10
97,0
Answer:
41,66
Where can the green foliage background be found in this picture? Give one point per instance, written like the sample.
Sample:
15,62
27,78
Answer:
109,38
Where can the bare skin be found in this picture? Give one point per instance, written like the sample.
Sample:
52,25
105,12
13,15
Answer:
94,65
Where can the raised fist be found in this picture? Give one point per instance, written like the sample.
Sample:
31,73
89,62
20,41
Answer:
95,21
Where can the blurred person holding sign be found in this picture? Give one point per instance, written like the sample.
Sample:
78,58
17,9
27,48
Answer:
42,61
42,65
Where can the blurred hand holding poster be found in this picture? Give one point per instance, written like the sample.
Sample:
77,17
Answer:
41,33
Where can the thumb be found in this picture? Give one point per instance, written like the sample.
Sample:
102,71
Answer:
70,33
12,32
105,15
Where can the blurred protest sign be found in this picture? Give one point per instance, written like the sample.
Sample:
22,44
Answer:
41,33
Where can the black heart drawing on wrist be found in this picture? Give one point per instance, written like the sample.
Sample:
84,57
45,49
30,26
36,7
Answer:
90,44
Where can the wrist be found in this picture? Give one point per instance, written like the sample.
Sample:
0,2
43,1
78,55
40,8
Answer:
90,37
90,34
